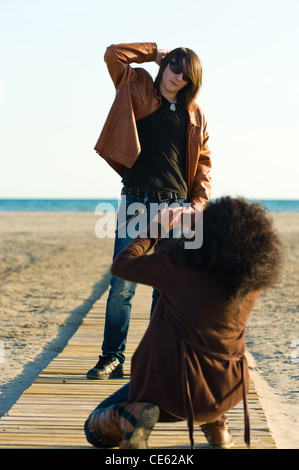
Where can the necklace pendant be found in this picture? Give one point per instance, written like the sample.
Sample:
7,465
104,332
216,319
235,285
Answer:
172,107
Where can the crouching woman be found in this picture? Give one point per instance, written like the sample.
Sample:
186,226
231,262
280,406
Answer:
190,364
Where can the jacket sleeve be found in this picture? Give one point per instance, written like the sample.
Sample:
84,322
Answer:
119,57
201,188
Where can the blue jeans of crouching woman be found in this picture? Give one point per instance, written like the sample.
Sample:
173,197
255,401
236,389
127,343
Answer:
121,293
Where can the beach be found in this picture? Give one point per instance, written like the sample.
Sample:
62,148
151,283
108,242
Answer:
53,268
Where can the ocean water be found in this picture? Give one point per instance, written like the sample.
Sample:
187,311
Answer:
54,205
89,205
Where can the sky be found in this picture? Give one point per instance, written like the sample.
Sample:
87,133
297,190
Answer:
55,91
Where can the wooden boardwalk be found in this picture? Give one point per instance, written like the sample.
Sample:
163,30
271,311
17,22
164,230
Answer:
51,412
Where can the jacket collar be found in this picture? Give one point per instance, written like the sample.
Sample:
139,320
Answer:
194,115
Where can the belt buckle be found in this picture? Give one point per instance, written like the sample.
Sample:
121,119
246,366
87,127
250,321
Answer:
160,196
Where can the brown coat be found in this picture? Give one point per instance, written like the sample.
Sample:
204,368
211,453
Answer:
135,99
190,361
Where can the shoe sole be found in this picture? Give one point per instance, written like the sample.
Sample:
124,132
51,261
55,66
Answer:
146,422
222,446
91,377
108,377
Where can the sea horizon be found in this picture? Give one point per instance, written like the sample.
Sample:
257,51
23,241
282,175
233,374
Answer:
90,204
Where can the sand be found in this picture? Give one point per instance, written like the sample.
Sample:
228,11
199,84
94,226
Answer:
53,268
272,332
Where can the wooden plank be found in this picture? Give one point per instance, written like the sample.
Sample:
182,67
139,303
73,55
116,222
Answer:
52,411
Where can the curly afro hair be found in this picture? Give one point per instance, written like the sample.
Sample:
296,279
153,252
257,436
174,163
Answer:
241,250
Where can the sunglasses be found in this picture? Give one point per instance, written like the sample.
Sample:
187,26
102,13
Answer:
177,70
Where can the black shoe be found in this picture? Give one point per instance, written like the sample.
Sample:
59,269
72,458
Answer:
108,367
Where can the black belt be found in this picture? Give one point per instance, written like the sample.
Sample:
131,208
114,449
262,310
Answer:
149,194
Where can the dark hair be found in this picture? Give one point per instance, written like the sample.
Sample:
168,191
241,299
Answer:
189,62
241,250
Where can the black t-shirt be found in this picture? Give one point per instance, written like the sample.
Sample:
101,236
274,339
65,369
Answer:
161,163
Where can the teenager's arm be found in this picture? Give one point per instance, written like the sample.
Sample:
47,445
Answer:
118,58
201,187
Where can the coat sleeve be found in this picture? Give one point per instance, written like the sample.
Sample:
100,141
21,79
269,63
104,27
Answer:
119,57
135,265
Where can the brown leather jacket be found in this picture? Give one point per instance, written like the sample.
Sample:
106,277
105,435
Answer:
135,99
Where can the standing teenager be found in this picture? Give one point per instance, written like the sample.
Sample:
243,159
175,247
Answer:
155,137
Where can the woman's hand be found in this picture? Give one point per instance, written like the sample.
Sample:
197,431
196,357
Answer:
169,219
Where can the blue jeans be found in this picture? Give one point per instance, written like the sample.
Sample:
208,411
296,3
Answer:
121,293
